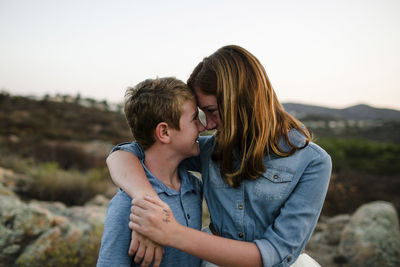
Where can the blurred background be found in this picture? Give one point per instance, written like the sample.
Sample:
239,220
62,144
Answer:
65,65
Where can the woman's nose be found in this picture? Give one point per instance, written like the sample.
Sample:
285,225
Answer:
211,125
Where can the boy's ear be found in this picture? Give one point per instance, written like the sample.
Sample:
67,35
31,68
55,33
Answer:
161,132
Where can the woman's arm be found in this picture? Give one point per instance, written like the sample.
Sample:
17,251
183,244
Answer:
127,173
154,219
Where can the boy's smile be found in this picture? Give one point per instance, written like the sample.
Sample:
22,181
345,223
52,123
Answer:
185,141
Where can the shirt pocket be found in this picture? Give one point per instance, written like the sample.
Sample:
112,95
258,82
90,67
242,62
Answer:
273,184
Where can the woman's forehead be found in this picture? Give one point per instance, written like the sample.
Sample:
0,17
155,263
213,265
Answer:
205,100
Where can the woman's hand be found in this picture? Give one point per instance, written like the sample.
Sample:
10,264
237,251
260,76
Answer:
153,218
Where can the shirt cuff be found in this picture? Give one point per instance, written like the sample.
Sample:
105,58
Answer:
270,256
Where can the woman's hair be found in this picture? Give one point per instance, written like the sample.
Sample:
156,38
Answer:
253,119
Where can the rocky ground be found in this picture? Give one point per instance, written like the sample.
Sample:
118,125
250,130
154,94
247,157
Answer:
39,233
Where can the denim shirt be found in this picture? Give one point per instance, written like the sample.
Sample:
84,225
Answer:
185,204
279,210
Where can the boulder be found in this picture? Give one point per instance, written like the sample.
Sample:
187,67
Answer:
325,239
372,237
39,233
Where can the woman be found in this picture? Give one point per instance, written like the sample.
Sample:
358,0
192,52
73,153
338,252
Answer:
264,180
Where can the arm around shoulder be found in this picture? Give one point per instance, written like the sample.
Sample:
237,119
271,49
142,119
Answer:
127,173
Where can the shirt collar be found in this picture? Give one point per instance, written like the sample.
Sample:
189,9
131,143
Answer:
160,187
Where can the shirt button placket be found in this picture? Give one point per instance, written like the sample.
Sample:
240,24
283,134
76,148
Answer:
240,207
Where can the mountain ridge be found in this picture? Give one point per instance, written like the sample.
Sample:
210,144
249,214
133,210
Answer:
357,112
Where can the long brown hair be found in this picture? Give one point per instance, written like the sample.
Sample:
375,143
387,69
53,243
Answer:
253,119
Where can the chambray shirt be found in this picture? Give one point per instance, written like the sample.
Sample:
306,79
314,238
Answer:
185,205
279,210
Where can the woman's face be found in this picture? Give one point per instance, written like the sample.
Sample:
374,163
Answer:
208,104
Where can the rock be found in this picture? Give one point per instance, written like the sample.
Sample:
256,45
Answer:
19,224
372,237
325,239
98,200
5,191
41,233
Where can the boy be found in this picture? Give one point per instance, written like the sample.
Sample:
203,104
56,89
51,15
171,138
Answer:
163,118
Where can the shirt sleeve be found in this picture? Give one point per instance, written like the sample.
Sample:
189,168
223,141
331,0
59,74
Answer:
116,235
284,240
132,147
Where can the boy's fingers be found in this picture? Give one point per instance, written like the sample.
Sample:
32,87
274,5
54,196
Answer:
133,247
159,251
148,257
140,253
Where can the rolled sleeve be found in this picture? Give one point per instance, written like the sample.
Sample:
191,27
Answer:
284,240
131,147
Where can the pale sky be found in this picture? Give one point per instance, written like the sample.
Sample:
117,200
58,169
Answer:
333,53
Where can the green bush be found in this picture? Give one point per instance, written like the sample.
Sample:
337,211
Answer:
71,187
47,181
363,156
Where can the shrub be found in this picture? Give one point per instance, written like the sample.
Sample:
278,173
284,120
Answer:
71,187
363,156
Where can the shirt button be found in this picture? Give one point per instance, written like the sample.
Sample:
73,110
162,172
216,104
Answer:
240,235
240,206
289,259
188,216
276,176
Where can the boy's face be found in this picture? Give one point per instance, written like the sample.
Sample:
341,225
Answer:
185,141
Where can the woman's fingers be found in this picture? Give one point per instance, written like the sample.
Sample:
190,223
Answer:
155,201
137,210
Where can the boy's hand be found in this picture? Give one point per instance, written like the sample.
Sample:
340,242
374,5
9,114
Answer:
144,248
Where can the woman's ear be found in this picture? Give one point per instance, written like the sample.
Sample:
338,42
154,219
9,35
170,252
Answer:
161,133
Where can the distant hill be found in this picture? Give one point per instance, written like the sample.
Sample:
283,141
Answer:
70,134
357,113
30,119
32,124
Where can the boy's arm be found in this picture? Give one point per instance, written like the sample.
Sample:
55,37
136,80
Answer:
116,235
127,173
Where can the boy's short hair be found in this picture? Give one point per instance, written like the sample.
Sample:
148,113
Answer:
153,101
